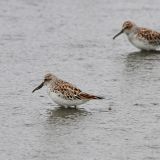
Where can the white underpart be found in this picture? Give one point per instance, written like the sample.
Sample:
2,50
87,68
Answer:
58,98
140,43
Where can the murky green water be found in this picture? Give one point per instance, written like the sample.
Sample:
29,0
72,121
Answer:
73,39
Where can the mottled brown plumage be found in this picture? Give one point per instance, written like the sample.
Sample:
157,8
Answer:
151,36
66,89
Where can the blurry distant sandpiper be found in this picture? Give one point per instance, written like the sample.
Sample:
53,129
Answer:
142,38
63,93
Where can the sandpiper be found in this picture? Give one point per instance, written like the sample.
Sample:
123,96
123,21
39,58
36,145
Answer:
142,38
63,93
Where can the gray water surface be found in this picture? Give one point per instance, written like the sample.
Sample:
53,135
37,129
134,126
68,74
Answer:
73,39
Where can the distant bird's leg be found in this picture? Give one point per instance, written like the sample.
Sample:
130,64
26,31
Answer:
69,107
62,106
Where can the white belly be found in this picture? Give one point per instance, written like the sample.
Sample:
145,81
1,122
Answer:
141,44
64,102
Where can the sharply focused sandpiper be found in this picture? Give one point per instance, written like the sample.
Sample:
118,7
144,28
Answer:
142,38
64,93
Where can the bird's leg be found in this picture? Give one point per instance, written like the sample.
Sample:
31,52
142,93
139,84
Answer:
62,106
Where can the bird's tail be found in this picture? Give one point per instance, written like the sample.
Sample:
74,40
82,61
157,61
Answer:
89,96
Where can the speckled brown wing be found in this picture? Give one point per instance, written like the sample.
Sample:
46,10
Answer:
67,90
89,96
151,36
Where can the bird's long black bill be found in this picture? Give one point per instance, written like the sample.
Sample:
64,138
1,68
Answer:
118,34
39,87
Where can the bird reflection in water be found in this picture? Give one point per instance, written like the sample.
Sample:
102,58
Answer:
141,59
142,54
66,115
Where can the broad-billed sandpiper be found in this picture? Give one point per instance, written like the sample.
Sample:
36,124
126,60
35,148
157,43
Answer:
63,93
142,38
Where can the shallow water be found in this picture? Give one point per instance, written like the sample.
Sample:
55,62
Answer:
73,39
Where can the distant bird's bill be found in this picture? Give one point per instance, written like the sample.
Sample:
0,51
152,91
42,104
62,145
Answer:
39,87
